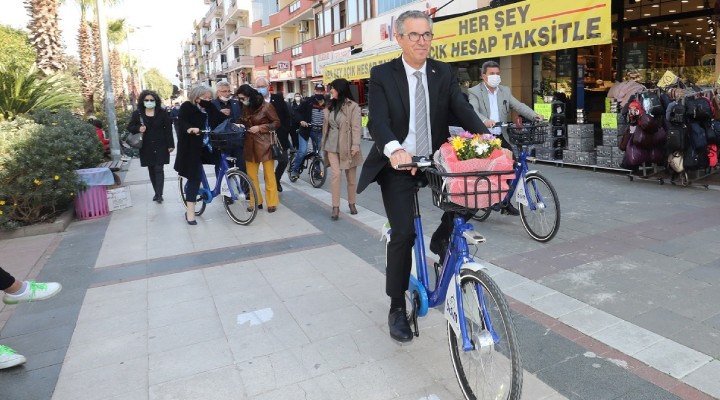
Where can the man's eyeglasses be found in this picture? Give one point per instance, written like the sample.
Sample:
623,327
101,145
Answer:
414,36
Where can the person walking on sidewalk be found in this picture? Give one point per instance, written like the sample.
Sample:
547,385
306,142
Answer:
196,114
21,292
341,134
259,119
283,131
154,124
404,91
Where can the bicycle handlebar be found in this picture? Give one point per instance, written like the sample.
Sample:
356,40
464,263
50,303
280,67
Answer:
418,162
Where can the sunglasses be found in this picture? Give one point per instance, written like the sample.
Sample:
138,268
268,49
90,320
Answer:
150,99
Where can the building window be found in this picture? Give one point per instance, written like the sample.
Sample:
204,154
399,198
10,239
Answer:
319,29
352,12
327,17
384,6
276,45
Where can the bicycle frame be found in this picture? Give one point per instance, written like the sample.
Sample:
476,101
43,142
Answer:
221,185
457,255
521,169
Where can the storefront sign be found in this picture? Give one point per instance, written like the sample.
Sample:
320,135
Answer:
283,65
544,109
607,104
608,121
276,75
527,27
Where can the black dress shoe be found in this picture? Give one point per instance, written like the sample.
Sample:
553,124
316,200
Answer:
510,210
279,187
399,325
155,198
190,222
159,199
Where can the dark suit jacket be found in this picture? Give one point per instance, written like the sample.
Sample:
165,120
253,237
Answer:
389,110
188,157
281,109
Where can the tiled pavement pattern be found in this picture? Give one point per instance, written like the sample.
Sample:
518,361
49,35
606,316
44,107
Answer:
156,309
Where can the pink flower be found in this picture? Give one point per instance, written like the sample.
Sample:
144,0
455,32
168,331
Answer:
466,135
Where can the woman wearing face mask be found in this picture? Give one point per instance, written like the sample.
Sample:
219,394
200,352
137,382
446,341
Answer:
154,124
341,133
259,118
196,114
296,113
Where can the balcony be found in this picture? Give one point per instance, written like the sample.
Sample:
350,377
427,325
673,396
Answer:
272,58
234,12
283,16
239,62
243,32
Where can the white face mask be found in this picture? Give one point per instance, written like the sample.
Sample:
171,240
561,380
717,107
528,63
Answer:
246,102
225,99
493,81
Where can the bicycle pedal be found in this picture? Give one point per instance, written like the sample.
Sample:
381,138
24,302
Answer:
473,237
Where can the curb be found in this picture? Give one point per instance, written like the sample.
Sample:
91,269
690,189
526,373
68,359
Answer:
59,225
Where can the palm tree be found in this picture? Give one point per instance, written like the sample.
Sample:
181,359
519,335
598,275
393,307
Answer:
45,35
86,63
116,35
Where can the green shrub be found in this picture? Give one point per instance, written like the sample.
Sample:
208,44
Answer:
23,91
38,160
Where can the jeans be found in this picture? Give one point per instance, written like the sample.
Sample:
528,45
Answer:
315,136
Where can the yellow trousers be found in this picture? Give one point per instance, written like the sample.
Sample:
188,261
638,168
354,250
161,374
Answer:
271,193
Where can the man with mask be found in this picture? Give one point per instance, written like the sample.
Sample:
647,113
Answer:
295,108
311,120
232,109
493,102
283,133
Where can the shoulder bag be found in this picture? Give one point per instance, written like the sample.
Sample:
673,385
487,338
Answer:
135,140
275,147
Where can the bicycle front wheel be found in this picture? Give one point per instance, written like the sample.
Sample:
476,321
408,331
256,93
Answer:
291,161
317,172
199,203
493,368
543,222
243,209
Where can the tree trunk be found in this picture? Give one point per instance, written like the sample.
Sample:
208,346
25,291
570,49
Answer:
45,36
86,66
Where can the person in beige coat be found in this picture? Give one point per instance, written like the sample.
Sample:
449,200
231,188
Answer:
341,133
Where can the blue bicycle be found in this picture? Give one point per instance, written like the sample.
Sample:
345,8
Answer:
483,344
235,187
534,195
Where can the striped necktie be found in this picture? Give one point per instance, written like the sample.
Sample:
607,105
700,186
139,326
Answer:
422,141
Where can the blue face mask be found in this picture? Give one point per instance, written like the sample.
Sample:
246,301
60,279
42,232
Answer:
263,91
149,104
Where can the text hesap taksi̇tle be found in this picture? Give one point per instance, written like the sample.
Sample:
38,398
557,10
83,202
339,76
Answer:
536,37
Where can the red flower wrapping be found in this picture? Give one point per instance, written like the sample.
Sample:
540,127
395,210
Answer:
496,162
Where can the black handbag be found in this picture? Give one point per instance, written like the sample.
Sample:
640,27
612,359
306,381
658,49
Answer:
276,148
135,140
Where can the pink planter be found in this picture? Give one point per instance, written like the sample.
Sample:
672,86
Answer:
91,203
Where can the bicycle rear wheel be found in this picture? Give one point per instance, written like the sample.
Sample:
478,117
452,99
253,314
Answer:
542,223
317,172
493,369
243,209
199,203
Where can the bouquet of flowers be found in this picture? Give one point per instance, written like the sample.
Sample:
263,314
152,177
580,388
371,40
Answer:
470,153
468,146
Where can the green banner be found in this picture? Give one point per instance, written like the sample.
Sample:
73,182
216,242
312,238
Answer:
609,121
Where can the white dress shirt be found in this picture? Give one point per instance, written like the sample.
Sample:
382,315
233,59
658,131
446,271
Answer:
494,110
409,143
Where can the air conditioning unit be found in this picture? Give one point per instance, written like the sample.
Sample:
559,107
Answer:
304,27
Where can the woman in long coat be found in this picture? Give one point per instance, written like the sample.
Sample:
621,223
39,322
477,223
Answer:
153,122
341,133
196,114
259,119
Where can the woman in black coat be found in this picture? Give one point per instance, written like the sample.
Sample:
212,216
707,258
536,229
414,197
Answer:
196,114
153,122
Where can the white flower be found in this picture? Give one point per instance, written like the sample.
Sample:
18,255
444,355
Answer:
481,148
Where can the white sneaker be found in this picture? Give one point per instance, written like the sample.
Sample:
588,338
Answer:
34,292
9,358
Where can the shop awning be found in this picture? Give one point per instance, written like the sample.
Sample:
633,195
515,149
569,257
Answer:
526,27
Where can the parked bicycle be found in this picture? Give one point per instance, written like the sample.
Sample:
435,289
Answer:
533,193
312,161
481,335
235,187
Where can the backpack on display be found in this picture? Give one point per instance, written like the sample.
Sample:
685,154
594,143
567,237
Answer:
712,155
675,138
698,136
675,161
651,104
676,114
713,134
698,108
